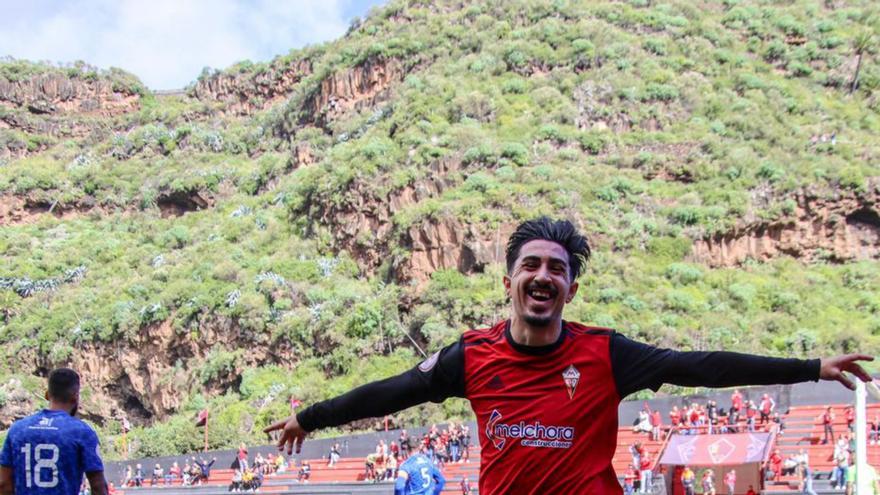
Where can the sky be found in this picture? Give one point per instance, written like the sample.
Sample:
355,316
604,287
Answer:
167,43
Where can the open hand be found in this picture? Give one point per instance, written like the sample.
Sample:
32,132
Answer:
833,368
292,434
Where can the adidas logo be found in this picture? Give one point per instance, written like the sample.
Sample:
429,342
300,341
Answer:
495,383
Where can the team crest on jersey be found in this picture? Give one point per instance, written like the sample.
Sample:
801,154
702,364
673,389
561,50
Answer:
46,422
571,376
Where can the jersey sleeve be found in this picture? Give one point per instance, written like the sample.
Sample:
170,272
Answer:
437,378
90,451
638,366
6,453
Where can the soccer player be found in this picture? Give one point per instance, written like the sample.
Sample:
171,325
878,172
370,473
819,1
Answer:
48,452
546,391
418,476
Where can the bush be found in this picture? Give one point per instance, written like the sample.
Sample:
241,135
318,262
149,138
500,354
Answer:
659,92
518,153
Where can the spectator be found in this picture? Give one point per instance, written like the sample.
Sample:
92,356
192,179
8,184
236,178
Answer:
736,401
405,444
629,480
688,480
247,480
778,420
712,416
850,414
138,475
204,473
851,477
465,486
242,456
455,446
158,474
875,430
656,425
635,451
790,465
806,480
394,450
334,455
644,422
305,471
774,466
187,474
767,407
466,443
259,462
390,468
841,464
733,421
751,490
646,475
751,413
370,467
280,465
236,484
173,474
827,420
708,482
674,417
129,477
730,481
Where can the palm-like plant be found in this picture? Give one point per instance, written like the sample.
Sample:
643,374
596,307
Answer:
863,42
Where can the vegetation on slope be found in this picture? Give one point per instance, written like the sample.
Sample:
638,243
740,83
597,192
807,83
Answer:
650,124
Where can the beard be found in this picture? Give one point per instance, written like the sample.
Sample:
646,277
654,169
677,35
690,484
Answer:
538,321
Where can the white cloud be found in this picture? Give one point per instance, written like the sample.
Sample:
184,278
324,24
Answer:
166,43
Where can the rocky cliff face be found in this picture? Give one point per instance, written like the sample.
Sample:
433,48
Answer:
245,94
364,227
842,227
147,378
56,94
365,85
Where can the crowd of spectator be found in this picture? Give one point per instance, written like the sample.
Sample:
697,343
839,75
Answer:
451,444
742,415
194,472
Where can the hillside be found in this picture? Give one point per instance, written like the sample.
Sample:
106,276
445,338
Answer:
293,227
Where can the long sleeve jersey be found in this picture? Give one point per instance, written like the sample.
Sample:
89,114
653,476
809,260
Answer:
547,415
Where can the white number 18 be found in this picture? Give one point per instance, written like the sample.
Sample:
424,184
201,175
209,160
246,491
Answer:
49,462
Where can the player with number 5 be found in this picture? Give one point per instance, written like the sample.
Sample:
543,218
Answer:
419,476
48,452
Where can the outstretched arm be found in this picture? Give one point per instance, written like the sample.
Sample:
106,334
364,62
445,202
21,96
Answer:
637,366
437,378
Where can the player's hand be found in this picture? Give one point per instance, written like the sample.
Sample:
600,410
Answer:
833,368
292,434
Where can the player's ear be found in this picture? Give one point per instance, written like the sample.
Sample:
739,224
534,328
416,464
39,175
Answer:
46,395
572,290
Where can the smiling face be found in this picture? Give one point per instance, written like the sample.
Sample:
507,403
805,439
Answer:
539,285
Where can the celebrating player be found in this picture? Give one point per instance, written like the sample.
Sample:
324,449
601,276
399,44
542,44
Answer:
48,452
546,391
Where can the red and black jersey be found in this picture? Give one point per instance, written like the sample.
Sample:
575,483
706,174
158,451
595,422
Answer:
547,415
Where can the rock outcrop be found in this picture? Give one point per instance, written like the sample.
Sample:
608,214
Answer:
247,93
841,228
54,93
363,86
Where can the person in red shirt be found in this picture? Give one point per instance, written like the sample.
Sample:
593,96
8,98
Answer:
545,391
656,425
751,414
827,420
736,401
751,491
775,464
629,480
